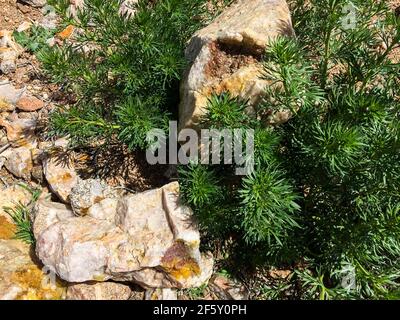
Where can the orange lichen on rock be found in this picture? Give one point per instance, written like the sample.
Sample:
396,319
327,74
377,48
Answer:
178,262
7,229
35,286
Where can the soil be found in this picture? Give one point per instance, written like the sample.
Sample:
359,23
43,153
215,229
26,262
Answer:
13,13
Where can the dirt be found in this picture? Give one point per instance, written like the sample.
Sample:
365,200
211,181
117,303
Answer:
227,59
13,13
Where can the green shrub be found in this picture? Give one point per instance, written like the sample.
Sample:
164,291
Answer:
124,72
325,192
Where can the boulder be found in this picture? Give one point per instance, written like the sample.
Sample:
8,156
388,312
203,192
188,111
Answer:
226,55
148,238
21,278
99,291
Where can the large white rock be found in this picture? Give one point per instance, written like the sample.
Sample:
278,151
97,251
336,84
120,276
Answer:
151,240
225,56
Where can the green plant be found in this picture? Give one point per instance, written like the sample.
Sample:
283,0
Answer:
123,71
325,190
19,213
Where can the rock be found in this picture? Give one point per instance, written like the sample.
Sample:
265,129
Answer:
225,56
21,278
24,26
8,66
60,175
20,132
128,8
29,104
9,52
35,3
49,21
151,241
66,33
99,291
104,210
10,95
47,213
161,294
7,229
227,289
7,41
5,106
74,7
19,162
86,193
11,196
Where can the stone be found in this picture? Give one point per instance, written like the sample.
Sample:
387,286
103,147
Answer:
8,65
35,3
145,238
46,213
29,103
7,41
5,106
228,289
60,175
86,193
10,95
19,162
21,278
11,196
225,56
49,21
66,33
161,294
20,132
99,291
7,229
128,8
